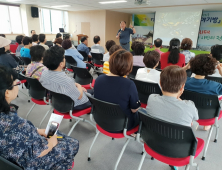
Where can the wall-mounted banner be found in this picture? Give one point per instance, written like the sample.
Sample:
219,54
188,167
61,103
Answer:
143,24
210,30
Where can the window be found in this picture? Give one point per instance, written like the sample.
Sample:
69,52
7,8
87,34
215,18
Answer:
52,20
11,22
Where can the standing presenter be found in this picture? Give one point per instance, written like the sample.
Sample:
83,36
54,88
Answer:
124,35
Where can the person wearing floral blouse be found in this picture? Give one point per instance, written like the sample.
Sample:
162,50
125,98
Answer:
22,143
35,68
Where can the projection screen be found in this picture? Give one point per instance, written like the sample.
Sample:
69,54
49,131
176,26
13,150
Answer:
183,24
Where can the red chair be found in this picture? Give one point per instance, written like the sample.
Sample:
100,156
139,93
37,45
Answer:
63,105
13,47
172,144
208,107
38,96
109,119
83,77
97,59
145,89
70,61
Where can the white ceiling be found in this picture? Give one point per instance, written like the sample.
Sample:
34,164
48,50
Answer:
128,7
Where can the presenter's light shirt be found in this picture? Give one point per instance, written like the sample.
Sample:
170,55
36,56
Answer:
125,35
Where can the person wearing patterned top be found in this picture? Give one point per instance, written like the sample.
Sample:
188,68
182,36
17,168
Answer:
58,81
36,67
22,143
186,46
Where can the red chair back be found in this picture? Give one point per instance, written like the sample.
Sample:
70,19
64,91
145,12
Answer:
13,47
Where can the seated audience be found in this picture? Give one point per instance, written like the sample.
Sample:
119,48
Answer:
58,42
203,65
2,35
6,59
42,41
108,87
149,73
67,37
109,44
113,49
58,81
36,67
24,144
169,107
216,52
186,45
97,48
19,41
83,46
157,45
32,32
139,52
25,51
173,56
58,35
67,45
35,40
133,46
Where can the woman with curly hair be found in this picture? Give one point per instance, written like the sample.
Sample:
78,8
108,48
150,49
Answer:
173,56
138,54
203,65
186,46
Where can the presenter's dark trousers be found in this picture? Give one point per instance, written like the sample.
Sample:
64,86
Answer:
125,46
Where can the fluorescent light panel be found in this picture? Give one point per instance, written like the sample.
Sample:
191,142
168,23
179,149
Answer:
111,2
60,6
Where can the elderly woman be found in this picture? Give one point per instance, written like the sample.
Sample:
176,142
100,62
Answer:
203,65
22,143
138,54
58,41
186,46
109,86
6,59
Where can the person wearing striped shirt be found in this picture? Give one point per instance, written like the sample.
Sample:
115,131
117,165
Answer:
58,81
113,49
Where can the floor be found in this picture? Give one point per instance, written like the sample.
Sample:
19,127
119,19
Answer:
105,151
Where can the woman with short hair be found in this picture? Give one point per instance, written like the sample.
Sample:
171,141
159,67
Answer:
138,54
149,73
58,41
24,144
114,88
69,51
186,46
173,56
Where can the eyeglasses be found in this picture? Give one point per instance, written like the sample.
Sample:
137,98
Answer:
17,83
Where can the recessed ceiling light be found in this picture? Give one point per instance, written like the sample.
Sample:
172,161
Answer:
111,2
12,0
60,6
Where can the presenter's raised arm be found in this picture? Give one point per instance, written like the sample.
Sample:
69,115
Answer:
134,30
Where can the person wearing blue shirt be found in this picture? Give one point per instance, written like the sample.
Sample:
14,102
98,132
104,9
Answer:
69,51
83,46
124,35
25,51
203,65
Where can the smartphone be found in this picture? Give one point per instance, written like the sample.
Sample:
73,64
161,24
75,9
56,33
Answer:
53,128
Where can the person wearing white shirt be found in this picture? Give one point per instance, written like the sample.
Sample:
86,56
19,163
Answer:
149,73
109,44
97,48
42,41
216,52
35,39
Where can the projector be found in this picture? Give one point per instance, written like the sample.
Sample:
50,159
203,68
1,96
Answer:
140,2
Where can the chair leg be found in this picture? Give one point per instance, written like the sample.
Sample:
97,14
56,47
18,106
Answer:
97,134
217,132
30,111
187,167
121,154
207,143
45,116
73,127
142,160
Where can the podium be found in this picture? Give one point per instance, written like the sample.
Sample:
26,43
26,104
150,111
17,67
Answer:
80,36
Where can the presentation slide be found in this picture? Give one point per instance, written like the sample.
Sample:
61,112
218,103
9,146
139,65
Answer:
183,24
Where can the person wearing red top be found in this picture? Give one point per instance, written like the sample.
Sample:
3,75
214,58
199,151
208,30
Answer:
173,56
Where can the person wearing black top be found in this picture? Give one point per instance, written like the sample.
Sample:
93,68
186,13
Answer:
5,58
114,88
